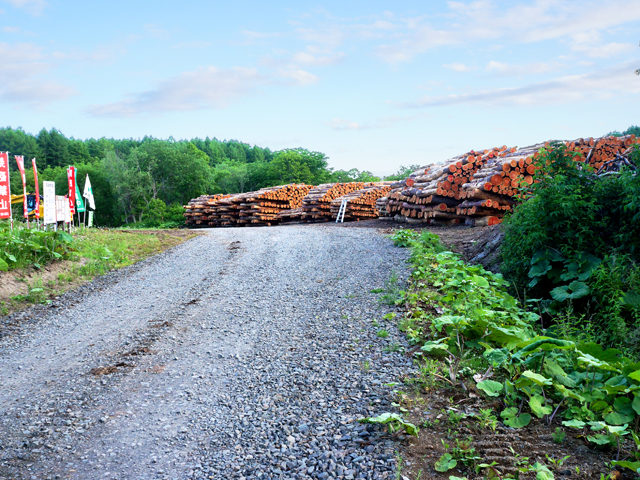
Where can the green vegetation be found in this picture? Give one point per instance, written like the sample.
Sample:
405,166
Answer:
21,247
459,313
575,246
148,180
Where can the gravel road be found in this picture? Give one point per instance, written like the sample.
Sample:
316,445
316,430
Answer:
243,353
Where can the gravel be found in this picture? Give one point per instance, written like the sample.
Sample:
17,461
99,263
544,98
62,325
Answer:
243,353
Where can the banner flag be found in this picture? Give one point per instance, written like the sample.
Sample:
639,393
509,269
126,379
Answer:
71,179
79,202
88,194
90,224
35,177
5,191
49,194
20,162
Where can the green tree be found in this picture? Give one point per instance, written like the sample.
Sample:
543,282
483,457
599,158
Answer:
299,166
353,175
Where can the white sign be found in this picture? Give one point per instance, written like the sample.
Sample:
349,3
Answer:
49,194
61,201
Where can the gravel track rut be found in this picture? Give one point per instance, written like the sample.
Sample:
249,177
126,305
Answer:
243,353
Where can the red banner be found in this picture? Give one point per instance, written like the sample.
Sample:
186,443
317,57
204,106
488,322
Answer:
35,177
20,162
71,177
5,191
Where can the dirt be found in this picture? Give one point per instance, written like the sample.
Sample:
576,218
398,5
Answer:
17,282
511,449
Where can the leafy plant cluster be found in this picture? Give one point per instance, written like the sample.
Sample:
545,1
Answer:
574,245
460,312
21,247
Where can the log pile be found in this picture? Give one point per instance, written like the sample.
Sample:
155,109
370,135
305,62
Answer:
361,204
478,188
316,206
263,207
197,210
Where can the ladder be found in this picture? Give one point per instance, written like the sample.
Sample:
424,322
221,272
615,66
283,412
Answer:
342,211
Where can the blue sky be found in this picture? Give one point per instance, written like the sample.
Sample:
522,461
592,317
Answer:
372,84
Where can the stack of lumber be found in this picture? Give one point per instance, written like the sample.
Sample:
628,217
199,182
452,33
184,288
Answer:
361,204
316,206
197,210
478,188
263,207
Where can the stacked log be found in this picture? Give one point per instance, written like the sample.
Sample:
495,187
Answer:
262,207
597,151
197,210
436,193
361,204
478,188
316,206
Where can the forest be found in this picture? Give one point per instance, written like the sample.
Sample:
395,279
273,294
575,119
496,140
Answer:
148,180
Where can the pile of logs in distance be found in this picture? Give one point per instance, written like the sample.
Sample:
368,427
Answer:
479,187
294,203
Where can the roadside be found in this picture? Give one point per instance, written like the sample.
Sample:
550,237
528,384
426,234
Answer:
97,251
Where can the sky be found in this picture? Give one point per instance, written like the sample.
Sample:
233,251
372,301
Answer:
373,85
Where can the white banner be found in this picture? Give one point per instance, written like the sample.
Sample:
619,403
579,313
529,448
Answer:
49,195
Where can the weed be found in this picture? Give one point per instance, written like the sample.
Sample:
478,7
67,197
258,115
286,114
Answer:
392,292
557,463
558,436
394,347
366,366
344,317
456,417
375,323
382,333
487,419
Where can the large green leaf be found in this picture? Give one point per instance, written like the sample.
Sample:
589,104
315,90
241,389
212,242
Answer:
536,378
539,409
490,387
4,266
574,423
445,463
512,419
573,291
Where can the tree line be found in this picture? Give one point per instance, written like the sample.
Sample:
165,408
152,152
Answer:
149,179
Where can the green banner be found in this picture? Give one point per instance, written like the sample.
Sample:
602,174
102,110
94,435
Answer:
79,202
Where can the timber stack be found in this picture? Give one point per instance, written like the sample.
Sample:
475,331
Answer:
361,204
479,187
316,206
262,207
197,210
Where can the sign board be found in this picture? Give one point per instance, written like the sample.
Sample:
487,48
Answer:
49,191
5,193
90,224
71,179
61,207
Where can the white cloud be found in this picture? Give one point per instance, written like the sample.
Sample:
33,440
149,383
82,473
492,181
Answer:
205,88
606,84
22,77
458,67
506,69
299,76
34,7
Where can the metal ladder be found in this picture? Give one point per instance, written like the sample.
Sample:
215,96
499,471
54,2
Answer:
341,212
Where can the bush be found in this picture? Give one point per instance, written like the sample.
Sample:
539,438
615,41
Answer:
575,244
22,247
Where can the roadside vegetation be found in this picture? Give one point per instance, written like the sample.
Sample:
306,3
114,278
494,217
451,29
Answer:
46,264
551,348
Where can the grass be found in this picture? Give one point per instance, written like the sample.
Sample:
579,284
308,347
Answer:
97,252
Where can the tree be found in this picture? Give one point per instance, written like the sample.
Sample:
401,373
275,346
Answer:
403,172
298,165
353,175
